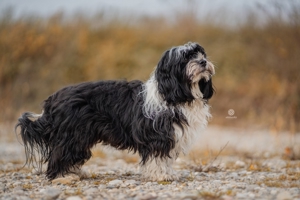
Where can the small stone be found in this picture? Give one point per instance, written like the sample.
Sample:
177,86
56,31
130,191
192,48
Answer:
14,174
257,188
174,183
18,183
130,182
294,190
234,175
284,195
227,197
185,173
200,187
251,195
201,176
251,187
101,187
23,198
148,184
51,193
273,192
193,194
91,191
243,173
190,183
74,198
89,198
45,182
115,183
281,164
240,164
2,189
222,166
241,185
147,196
241,195
216,182
271,176
18,190
69,191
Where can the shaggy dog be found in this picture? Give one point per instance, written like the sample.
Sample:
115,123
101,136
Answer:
158,119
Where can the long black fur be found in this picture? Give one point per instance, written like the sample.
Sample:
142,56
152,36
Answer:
78,117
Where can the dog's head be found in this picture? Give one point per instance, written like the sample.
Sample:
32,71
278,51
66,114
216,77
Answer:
184,74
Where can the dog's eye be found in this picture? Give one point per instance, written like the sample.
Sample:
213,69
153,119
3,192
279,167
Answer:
192,56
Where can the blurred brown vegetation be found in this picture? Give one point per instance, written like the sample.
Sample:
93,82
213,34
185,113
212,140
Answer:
257,62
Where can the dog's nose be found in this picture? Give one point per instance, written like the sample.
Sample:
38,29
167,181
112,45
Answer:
202,63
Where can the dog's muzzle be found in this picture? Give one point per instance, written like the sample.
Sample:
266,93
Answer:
202,62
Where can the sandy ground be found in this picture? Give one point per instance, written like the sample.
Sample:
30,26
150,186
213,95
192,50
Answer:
220,154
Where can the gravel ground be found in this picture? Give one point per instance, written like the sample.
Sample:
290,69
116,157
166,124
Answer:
224,164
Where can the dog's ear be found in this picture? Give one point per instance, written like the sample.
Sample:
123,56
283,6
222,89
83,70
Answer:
206,88
171,78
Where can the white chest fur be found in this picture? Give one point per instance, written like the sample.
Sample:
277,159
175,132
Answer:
197,115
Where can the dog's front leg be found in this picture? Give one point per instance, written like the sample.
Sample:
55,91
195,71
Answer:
159,169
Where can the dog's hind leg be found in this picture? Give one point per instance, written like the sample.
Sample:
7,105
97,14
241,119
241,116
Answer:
65,160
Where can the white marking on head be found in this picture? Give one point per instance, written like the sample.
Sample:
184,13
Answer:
179,50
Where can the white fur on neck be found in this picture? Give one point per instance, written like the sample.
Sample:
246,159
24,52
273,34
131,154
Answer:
153,102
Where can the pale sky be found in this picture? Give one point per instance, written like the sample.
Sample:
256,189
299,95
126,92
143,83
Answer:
236,8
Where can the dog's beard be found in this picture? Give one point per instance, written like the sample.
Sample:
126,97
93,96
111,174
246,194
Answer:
196,72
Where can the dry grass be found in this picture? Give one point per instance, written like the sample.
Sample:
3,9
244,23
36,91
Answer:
288,179
27,186
164,182
229,159
283,181
257,65
211,195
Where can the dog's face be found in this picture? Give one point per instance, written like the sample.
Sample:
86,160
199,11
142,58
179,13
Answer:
184,74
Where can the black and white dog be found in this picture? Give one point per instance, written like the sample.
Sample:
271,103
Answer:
159,119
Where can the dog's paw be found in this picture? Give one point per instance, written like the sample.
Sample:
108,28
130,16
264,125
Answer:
162,177
167,177
83,174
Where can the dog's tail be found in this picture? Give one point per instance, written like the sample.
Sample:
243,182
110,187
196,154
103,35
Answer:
34,137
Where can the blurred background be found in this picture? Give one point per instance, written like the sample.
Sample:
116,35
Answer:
46,45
